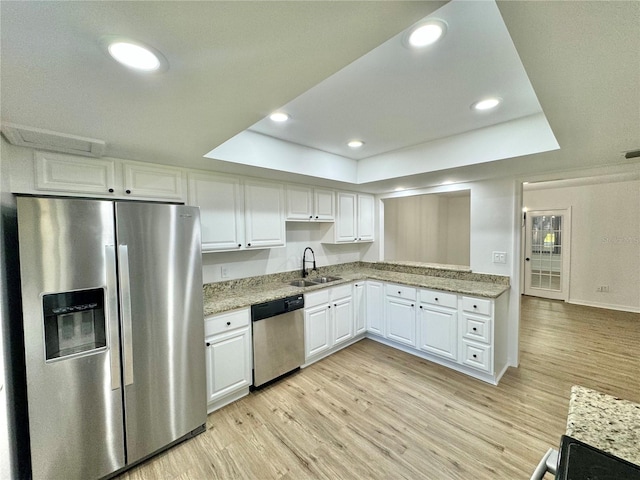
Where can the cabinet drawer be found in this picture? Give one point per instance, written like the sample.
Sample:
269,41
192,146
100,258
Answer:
476,356
320,297
439,298
393,290
476,305
476,328
226,321
341,292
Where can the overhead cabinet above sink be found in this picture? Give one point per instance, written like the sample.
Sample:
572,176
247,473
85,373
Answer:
307,204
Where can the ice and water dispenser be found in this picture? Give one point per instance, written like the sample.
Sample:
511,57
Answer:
74,322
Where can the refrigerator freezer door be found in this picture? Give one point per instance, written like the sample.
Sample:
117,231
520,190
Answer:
74,398
165,396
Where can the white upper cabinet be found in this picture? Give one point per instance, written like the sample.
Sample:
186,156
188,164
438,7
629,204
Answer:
307,204
264,214
236,216
104,177
147,180
355,220
366,220
324,202
221,210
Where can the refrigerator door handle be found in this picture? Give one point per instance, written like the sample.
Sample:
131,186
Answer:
125,304
112,315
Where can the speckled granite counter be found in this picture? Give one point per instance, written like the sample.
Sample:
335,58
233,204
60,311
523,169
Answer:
223,296
605,422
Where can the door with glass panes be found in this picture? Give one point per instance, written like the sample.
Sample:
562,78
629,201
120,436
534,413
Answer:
547,244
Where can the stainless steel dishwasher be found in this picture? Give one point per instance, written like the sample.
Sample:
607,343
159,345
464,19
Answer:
278,338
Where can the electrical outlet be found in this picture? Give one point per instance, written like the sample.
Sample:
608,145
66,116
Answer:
603,289
224,271
499,257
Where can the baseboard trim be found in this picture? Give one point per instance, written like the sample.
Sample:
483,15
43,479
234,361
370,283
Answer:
619,308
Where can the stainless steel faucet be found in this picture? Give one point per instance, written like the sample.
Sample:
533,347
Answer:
304,262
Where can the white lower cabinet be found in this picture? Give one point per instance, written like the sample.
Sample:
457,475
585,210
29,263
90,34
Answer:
360,307
400,314
317,330
438,324
330,319
228,357
375,307
465,333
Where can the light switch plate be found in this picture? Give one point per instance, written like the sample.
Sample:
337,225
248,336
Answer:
499,257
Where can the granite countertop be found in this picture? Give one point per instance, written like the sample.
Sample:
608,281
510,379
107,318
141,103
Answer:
225,296
605,422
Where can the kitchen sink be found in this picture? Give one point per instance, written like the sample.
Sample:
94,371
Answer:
302,283
318,280
312,282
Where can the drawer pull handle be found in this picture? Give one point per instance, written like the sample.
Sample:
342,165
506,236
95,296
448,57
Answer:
310,216
436,299
111,190
412,304
228,323
317,216
475,329
127,191
248,244
399,292
329,306
475,356
475,306
239,245
420,306
208,344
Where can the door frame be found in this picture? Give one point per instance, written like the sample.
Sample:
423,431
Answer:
563,294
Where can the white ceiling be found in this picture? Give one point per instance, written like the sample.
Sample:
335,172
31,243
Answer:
232,63
395,97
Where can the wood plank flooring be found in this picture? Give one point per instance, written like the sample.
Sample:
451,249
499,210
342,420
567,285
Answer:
372,412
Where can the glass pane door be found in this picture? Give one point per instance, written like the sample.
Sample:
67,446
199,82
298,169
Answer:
546,254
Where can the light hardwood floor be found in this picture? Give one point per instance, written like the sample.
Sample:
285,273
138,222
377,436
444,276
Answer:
372,412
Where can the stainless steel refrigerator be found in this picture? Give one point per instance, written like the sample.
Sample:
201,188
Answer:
113,332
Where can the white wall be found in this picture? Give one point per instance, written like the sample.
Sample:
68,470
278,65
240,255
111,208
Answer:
261,262
495,226
605,240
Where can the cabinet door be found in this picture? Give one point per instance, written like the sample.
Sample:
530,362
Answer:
228,363
299,203
400,320
64,173
438,331
366,219
359,307
152,181
264,215
324,201
375,307
221,210
342,320
346,218
317,330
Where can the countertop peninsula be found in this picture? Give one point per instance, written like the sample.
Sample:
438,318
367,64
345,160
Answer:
230,295
608,423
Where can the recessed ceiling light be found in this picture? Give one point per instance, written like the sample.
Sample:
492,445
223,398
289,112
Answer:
486,104
134,54
355,144
398,189
425,33
447,182
279,117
